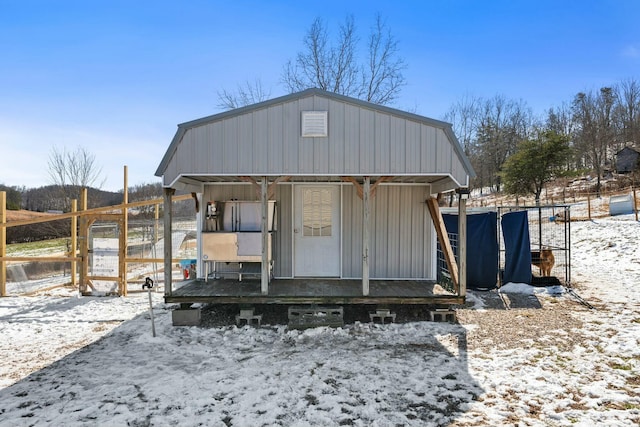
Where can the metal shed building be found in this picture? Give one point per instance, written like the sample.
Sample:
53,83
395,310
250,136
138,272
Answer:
627,160
345,197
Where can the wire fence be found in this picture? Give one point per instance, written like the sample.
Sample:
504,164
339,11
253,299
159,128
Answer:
549,228
145,246
586,203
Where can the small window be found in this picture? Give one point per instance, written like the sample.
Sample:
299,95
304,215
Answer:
317,213
314,123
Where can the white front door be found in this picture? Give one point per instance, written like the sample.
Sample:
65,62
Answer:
317,230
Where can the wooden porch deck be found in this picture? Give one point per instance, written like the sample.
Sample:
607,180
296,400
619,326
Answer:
311,291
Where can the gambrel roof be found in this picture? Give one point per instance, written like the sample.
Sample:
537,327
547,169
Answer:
361,139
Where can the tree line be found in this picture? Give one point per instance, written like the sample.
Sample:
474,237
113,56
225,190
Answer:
510,148
581,135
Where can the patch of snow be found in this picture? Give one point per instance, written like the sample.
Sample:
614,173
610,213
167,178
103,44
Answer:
526,289
73,360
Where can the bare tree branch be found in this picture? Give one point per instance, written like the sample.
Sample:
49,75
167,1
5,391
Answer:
377,78
250,93
72,171
383,78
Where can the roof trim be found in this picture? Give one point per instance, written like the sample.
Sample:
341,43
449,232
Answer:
183,127
193,179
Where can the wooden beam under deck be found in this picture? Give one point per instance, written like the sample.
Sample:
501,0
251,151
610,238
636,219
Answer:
311,291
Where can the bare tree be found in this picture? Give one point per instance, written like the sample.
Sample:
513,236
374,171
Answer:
464,116
502,124
250,93
382,78
627,112
377,78
489,131
73,170
594,128
560,121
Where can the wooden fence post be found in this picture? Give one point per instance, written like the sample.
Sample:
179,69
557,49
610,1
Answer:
84,244
589,205
168,251
3,244
124,237
73,250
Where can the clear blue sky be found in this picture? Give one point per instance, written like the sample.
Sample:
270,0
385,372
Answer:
116,77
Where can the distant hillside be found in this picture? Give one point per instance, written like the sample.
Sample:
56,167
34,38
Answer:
560,191
52,197
38,202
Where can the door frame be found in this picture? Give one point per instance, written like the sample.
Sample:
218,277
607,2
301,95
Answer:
294,212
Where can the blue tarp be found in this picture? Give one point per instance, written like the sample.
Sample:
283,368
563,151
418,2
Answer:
482,248
515,229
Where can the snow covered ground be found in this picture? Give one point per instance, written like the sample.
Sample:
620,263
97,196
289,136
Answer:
526,356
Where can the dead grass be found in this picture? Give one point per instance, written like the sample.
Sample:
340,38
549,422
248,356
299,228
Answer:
22,215
550,324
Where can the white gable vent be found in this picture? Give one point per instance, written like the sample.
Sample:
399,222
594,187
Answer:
314,123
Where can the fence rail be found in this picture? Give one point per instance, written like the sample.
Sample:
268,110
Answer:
597,203
77,256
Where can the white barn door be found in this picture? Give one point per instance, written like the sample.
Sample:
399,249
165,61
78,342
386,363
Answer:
317,230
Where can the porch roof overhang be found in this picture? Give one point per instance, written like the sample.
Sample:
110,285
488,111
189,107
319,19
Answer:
440,183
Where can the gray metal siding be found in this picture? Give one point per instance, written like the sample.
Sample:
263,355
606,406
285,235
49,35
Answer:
365,142
337,146
352,153
283,250
274,145
429,148
398,148
401,230
215,160
382,140
351,233
401,233
361,141
412,146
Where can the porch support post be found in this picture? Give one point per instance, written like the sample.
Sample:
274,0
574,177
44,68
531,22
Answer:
168,251
462,245
366,209
264,228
